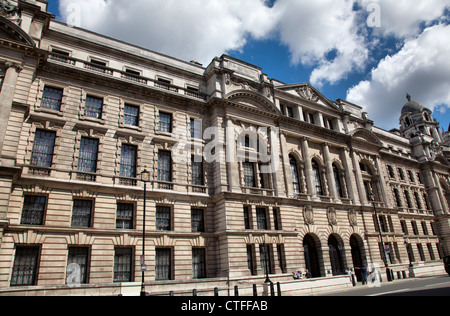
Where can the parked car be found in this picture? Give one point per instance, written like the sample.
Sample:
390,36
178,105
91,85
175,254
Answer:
447,264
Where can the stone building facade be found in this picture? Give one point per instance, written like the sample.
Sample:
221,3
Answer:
247,173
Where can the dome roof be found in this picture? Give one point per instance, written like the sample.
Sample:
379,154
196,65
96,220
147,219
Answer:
412,106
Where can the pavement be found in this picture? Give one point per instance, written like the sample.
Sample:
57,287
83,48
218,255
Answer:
424,286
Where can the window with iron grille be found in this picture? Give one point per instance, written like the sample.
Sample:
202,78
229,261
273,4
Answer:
52,98
199,263
33,210
265,258
93,107
197,171
163,218
249,174
24,272
43,148
123,264
163,264
131,115
165,122
78,256
87,160
128,160
197,220
261,217
82,213
125,215
165,166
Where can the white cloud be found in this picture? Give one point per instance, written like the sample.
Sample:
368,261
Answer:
421,68
194,29
403,18
312,29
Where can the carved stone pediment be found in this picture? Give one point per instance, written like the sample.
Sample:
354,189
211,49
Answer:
308,94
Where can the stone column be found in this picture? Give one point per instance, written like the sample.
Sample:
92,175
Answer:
308,168
330,173
359,180
351,185
382,183
231,158
6,98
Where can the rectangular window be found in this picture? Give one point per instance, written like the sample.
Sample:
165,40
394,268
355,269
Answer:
52,98
165,166
33,210
82,213
165,122
24,272
128,161
197,171
249,174
199,263
163,218
93,107
87,160
196,129
78,260
43,148
261,218
131,115
125,215
265,258
163,264
247,217
123,264
197,220
250,259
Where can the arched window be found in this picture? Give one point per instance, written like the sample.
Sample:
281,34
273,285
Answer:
294,172
337,180
317,178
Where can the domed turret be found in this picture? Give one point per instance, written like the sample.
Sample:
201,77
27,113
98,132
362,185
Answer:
412,106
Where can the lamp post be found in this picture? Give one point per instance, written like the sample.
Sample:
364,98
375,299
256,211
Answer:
266,255
388,272
145,177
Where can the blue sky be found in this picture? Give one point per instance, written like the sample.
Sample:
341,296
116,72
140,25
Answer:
370,52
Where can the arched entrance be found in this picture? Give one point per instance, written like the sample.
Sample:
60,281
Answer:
357,255
336,248
311,253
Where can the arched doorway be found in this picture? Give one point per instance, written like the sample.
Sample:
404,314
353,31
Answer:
311,253
357,255
336,248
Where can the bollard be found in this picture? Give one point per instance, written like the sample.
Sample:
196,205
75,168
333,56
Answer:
279,288
194,293
255,290
353,279
236,290
404,275
171,293
272,289
216,291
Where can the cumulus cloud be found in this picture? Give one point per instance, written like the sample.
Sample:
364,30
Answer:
314,29
420,68
194,29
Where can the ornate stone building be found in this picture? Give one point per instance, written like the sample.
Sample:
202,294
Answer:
247,173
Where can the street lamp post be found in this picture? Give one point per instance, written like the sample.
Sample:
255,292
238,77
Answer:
266,255
388,272
145,177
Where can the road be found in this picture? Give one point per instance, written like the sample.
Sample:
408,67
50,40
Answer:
432,286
